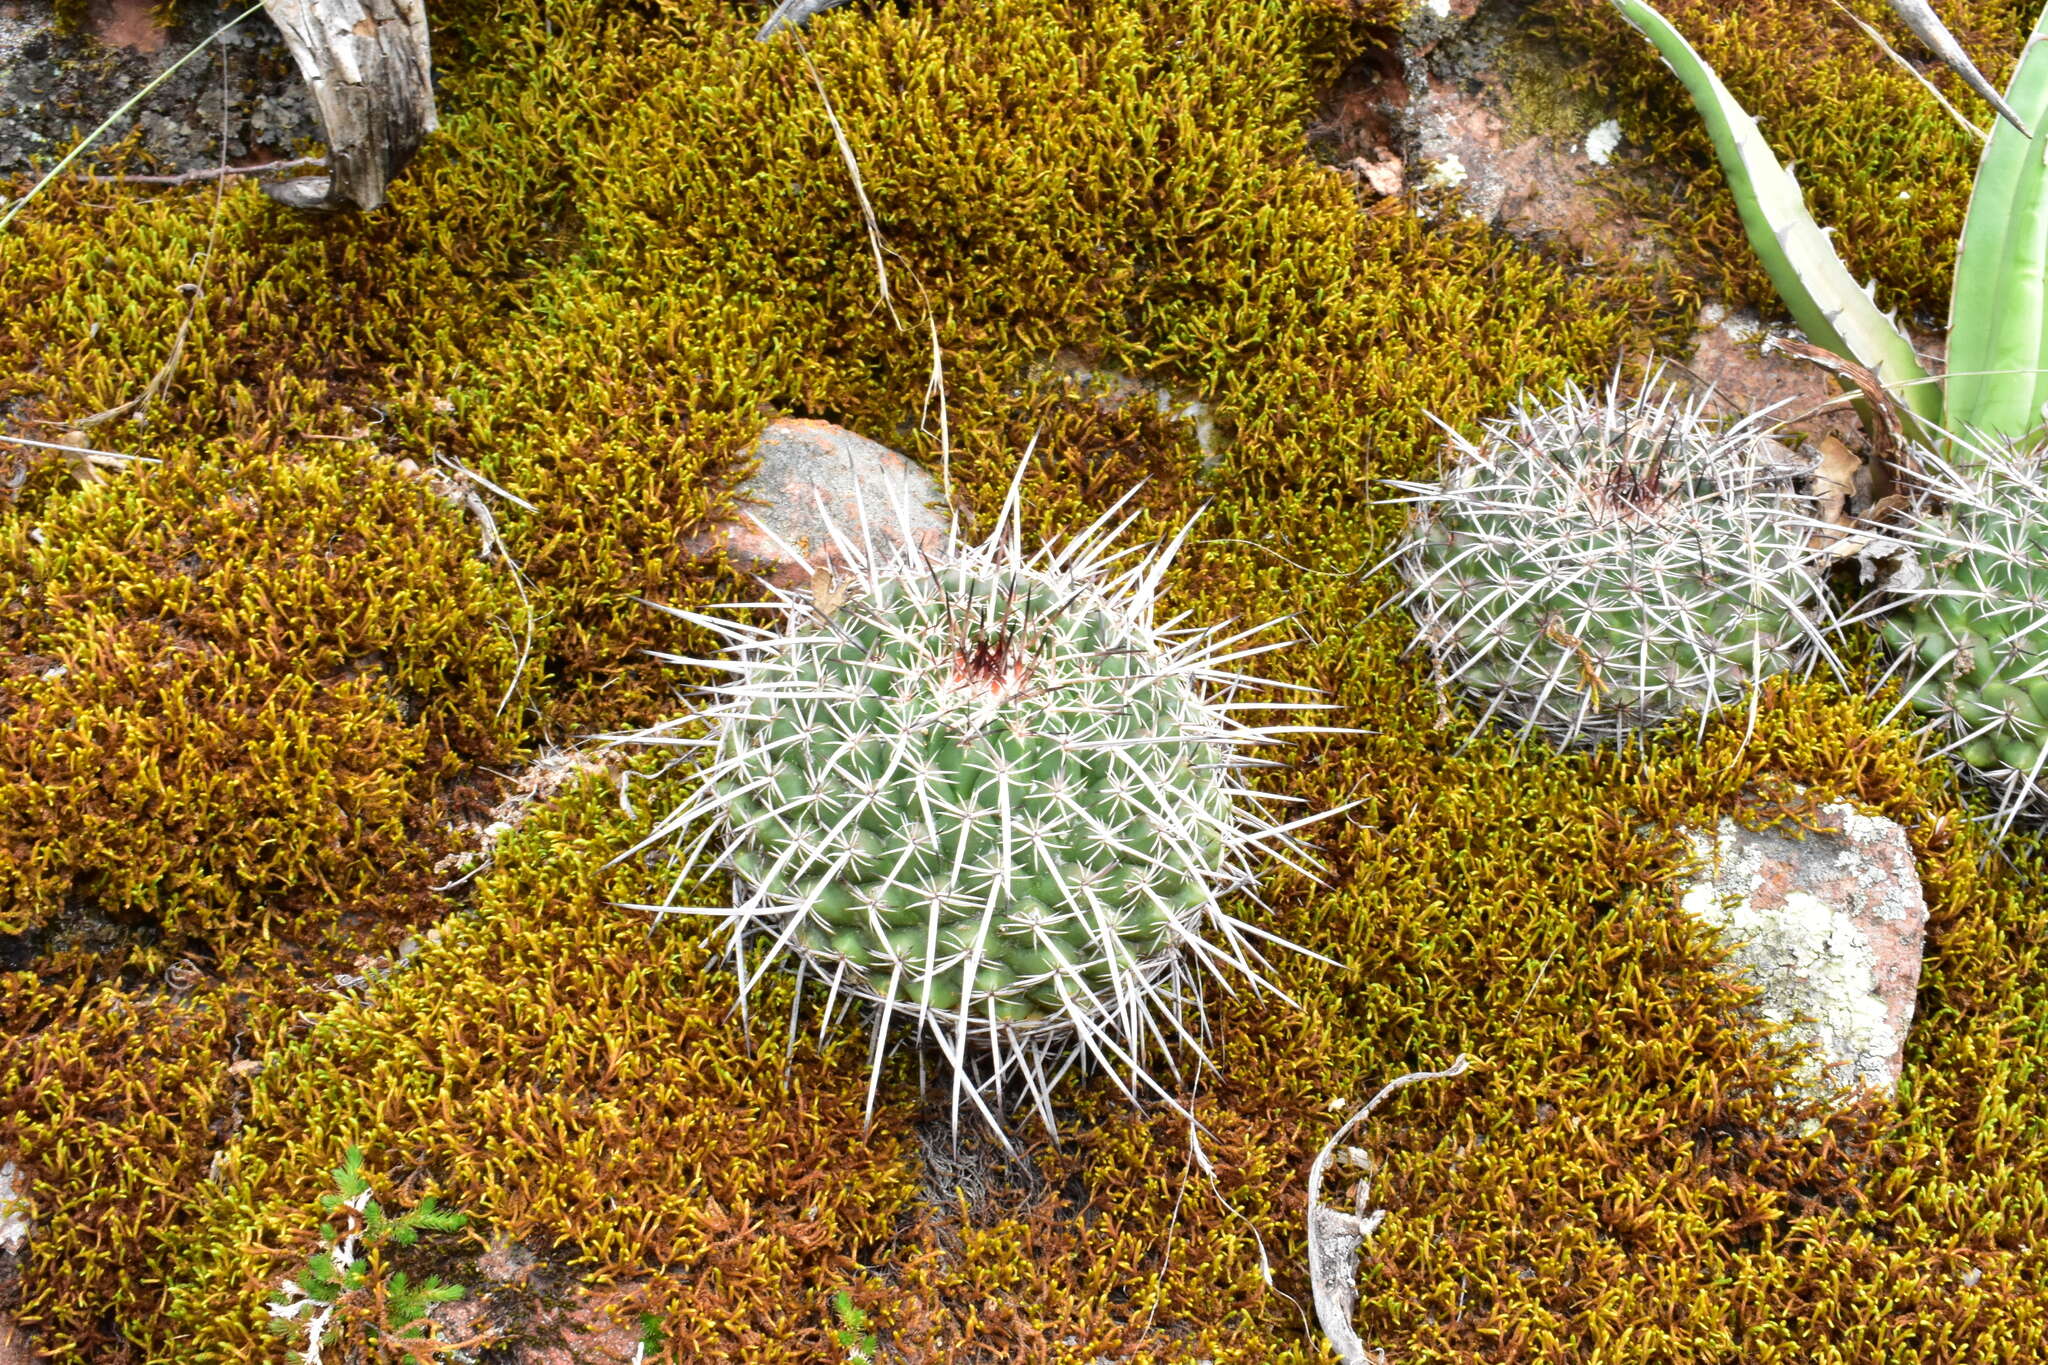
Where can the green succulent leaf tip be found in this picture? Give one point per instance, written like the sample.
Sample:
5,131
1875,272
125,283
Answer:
1589,568
991,796
1835,311
1967,616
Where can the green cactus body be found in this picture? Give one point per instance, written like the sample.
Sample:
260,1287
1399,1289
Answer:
1591,568
996,791
1969,633
986,794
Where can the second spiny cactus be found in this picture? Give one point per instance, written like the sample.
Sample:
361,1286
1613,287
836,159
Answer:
1590,567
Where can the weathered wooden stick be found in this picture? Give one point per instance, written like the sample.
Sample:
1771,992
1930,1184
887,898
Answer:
368,65
1334,1236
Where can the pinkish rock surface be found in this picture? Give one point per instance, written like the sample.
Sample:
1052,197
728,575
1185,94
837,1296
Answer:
812,477
535,1313
133,24
582,1334
1830,927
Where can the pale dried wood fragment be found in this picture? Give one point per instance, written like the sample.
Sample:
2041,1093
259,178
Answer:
368,65
1334,1236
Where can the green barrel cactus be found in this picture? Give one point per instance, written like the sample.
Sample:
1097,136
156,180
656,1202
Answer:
1589,568
1970,637
991,797
1970,620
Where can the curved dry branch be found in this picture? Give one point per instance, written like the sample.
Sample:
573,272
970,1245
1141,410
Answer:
1335,1236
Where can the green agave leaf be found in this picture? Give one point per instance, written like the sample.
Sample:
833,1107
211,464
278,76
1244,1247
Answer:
1926,25
1997,345
1823,296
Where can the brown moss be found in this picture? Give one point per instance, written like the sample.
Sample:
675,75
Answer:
161,777
246,681
110,1104
576,1083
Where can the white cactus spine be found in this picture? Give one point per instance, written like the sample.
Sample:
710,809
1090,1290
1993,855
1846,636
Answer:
1590,568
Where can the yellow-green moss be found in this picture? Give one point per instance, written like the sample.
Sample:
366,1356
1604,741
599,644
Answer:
573,1083
111,1103
632,239
236,684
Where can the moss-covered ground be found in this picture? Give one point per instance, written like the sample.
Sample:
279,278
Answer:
249,693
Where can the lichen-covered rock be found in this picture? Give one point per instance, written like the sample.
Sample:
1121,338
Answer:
15,1209
809,471
16,1223
1829,926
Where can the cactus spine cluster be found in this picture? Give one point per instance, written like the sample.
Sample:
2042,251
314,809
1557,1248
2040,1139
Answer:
1590,567
989,795
1967,618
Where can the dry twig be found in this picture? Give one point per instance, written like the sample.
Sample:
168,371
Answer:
1335,1236
205,173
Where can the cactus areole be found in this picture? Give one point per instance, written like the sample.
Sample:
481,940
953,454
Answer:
992,797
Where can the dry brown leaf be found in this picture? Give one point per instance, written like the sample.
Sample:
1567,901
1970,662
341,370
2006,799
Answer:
1834,479
829,592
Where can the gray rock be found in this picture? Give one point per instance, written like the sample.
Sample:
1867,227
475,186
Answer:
1469,104
56,86
1110,388
1830,927
812,477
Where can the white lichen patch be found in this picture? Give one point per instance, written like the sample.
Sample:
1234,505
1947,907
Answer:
1603,141
1446,173
1828,928
16,1213
530,787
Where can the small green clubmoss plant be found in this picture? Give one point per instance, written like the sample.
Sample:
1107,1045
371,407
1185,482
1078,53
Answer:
1970,624
852,1334
652,1338
1593,567
991,795
343,1275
